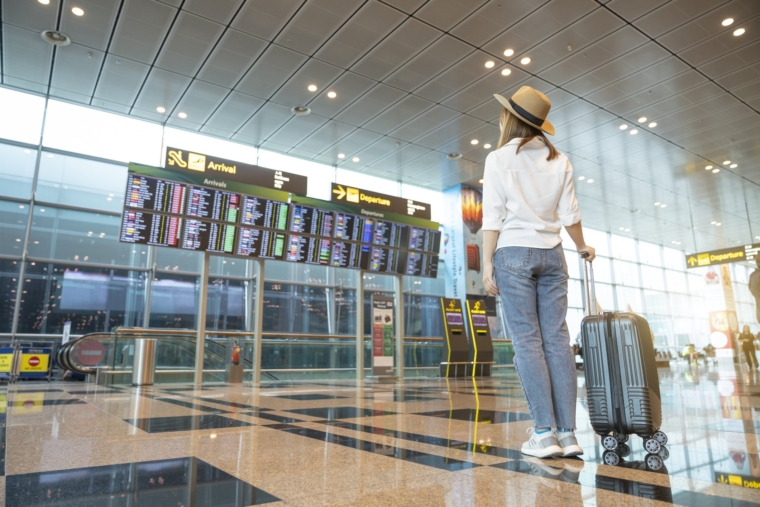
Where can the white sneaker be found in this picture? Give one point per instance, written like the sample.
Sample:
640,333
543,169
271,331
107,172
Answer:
568,443
542,445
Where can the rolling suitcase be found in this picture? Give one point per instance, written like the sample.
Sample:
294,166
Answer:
621,380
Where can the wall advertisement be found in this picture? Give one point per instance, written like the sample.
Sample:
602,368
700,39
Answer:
382,335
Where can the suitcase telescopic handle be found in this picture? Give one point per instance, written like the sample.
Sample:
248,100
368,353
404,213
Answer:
590,286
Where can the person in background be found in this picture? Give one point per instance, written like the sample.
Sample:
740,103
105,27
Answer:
689,353
747,342
754,288
528,196
709,351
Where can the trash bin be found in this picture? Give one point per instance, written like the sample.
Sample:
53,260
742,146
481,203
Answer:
144,365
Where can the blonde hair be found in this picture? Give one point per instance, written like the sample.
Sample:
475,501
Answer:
513,127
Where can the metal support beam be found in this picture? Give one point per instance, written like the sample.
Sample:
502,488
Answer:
200,337
399,286
259,305
360,328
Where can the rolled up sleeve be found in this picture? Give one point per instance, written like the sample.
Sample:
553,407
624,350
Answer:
567,208
494,198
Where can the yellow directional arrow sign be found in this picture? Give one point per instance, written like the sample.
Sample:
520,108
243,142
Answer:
692,261
340,192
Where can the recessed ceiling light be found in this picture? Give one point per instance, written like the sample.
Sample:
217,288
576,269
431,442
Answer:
481,180
738,32
474,142
77,11
525,61
341,155
509,52
734,166
642,119
713,222
161,109
506,72
633,132
657,204
726,162
581,178
332,95
487,146
716,170
454,156
621,228
627,230
663,205
182,115
489,64
728,22
708,167
589,181
44,2
717,224
652,124
623,126
312,88
355,159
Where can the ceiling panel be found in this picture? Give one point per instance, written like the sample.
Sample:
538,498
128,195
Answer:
460,75
326,136
634,10
398,114
376,100
142,27
76,70
264,123
231,58
427,121
674,14
31,15
93,29
120,80
314,23
199,102
444,14
367,27
408,6
220,11
270,72
432,61
449,131
233,112
493,18
264,18
295,92
161,88
189,42
351,86
25,55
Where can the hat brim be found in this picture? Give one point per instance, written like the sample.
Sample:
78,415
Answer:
546,126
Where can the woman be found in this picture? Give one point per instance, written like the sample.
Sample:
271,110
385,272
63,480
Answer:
528,195
747,341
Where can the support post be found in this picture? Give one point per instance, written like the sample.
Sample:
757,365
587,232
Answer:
259,305
360,329
200,337
399,283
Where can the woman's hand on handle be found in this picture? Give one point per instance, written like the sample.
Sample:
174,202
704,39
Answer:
587,252
488,281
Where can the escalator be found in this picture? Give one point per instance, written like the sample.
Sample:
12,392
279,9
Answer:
93,351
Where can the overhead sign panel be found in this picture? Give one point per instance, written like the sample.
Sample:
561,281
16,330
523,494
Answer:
215,167
375,200
723,256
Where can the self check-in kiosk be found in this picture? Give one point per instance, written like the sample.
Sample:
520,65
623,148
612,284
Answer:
481,347
456,350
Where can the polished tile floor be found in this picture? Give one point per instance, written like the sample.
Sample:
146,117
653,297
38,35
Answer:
425,442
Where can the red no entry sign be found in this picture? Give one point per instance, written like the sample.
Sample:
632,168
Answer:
34,361
90,353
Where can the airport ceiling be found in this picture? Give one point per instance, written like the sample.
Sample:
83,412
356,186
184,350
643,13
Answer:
413,83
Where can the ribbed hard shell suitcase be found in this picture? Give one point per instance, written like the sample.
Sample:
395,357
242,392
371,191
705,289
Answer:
622,385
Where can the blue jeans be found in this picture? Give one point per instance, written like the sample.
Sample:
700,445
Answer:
533,289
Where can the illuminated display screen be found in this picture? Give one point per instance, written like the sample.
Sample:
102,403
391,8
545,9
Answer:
312,221
213,204
421,264
264,213
265,244
386,260
454,319
151,194
425,240
347,255
390,234
307,249
149,229
352,227
208,237
479,320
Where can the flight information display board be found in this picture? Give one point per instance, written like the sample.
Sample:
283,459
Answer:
208,236
386,260
352,227
307,249
152,194
426,240
264,213
265,244
149,229
307,220
421,264
214,204
349,255
390,234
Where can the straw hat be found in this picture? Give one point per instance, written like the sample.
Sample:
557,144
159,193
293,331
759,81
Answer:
531,106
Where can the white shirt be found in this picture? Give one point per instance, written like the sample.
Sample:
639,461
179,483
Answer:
526,197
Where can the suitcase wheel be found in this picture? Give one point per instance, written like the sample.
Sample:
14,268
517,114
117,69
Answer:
652,446
660,437
620,437
611,458
610,443
653,462
664,453
624,451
